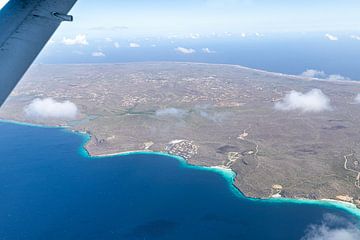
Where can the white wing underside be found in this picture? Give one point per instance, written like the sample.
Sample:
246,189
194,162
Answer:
25,27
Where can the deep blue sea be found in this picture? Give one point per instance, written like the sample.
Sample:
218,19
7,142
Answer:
50,189
283,53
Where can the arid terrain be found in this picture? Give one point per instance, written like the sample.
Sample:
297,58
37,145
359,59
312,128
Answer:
212,115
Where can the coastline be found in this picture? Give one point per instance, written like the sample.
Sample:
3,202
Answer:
226,173
229,176
297,77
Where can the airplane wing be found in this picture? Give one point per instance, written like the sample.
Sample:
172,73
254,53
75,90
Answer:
25,27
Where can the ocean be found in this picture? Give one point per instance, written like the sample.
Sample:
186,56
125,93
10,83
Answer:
283,53
51,189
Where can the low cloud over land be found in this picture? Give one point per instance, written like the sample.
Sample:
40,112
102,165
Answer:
205,111
49,108
312,101
357,99
313,73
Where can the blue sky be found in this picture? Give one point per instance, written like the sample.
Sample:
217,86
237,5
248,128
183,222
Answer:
171,17
160,17
304,34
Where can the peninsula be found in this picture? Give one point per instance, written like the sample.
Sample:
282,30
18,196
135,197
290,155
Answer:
211,115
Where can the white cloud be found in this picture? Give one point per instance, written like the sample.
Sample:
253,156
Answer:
183,50
108,39
332,228
312,101
312,73
335,77
98,54
50,108
79,39
228,34
116,44
194,36
207,50
355,37
134,45
357,99
243,35
171,112
217,117
331,37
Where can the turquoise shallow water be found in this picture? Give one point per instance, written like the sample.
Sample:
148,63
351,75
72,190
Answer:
50,189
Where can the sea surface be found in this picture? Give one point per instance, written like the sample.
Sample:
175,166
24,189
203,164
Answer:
286,53
51,189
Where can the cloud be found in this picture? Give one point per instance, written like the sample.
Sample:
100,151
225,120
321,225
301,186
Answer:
171,112
336,77
355,37
332,228
108,39
134,45
98,54
183,50
116,44
194,36
312,73
211,114
357,99
214,117
50,108
79,39
312,101
331,37
207,50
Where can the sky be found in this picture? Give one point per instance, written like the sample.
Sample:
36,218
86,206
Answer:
163,17
289,36
206,17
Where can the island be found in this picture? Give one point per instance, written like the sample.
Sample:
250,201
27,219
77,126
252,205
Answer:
211,115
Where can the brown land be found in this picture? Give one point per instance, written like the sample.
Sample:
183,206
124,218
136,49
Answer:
212,115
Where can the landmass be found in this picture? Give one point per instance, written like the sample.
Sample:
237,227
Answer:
211,115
